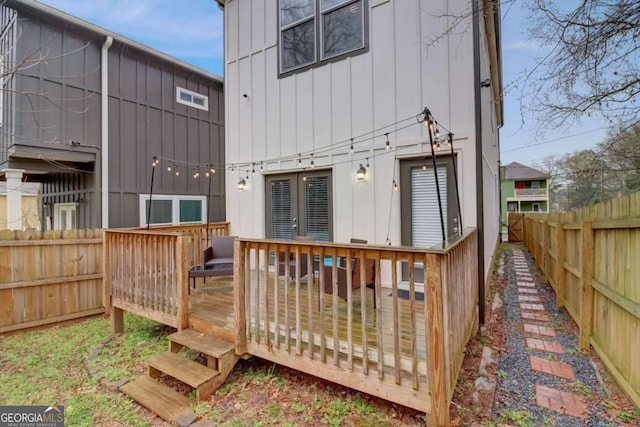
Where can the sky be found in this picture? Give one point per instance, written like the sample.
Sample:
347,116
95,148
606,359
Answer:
192,30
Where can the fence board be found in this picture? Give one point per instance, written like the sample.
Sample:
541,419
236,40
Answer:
49,277
601,274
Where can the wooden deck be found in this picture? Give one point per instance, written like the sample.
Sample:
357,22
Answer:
378,347
213,303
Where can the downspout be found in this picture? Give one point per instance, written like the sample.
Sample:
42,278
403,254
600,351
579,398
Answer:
479,178
104,157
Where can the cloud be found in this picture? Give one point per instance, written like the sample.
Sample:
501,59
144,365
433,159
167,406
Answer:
182,29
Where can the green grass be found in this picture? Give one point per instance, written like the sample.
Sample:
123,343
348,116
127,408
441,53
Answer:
47,367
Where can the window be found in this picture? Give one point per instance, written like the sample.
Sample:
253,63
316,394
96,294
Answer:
535,184
192,99
313,31
536,207
173,210
64,216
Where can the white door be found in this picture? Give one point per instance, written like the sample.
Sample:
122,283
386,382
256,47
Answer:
64,216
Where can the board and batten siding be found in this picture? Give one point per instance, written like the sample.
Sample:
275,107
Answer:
403,71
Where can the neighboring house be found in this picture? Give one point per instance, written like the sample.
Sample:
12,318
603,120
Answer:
85,110
524,189
317,91
30,210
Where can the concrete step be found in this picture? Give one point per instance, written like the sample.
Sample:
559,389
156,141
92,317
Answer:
189,372
168,404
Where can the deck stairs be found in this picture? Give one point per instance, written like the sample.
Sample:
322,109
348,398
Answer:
168,403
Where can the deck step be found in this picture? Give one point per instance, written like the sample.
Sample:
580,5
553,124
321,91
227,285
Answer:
168,404
198,341
189,372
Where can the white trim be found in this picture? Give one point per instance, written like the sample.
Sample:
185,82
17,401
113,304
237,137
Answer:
175,208
205,99
57,207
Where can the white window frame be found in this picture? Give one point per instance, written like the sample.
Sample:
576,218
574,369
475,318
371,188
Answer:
318,18
57,208
175,208
533,207
192,94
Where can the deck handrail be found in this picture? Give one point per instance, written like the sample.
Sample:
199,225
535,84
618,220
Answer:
270,322
146,272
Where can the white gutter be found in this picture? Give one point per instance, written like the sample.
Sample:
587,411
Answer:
104,122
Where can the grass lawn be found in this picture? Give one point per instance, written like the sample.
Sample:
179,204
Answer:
63,366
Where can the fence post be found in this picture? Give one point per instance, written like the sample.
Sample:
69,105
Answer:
436,355
182,281
560,276
239,308
586,271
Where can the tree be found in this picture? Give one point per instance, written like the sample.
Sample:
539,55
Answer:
593,65
622,155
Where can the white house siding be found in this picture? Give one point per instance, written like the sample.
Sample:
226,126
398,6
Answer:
402,72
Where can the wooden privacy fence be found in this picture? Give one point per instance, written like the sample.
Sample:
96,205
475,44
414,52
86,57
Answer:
49,277
408,351
591,259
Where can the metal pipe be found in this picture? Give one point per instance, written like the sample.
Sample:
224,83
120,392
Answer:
104,152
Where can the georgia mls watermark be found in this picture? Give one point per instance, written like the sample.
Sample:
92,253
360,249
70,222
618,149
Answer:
31,416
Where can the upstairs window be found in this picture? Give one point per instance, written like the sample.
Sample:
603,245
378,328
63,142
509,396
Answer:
313,31
192,99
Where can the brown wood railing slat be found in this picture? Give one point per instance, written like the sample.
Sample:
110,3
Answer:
276,291
349,311
298,311
379,320
265,297
363,312
412,326
321,279
310,308
256,318
396,322
334,287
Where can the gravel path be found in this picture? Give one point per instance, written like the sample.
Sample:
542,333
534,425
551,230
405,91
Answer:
515,400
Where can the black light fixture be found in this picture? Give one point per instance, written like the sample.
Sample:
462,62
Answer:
361,173
485,83
242,184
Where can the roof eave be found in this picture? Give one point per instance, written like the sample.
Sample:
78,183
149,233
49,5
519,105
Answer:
35,6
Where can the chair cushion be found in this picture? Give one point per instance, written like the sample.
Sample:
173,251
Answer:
223,247
220,264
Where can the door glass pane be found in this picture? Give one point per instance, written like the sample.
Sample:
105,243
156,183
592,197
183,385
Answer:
160,211
190,211
317,207
342,30
63,219
426,230
281,209
294,10
298,45
73,218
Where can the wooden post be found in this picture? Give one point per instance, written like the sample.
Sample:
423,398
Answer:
117,321
106,274
436,357
182,281
239,309
560,275
586,271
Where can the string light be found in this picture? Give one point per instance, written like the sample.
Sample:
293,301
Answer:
395,185
261,166
450,140
169,167
177,171
196,173
304,177
253,169
154,163
299,160
351,149
311,162
387,145
361,173
367,163
424,164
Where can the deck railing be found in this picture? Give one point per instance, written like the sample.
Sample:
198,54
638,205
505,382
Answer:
146,272
410,351
201,233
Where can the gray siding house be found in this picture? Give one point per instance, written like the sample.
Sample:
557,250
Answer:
84,111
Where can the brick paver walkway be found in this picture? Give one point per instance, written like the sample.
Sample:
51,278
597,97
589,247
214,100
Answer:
532,309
